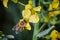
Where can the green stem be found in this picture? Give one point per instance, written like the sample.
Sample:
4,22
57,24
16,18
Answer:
36,27
42,27
21,3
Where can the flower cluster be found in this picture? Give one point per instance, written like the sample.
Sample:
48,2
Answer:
29,14
53,5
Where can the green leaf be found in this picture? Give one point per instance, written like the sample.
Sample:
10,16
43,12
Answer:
47,37
53,20
15,1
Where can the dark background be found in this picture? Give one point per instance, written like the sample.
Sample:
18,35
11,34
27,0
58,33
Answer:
9,18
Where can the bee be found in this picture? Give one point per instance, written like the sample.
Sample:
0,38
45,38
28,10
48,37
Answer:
20,26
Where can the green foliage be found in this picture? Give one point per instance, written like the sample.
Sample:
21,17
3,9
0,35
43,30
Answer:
15,1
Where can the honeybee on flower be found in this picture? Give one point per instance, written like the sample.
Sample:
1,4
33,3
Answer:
29,14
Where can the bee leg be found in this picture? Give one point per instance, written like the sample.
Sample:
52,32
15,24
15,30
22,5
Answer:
14,28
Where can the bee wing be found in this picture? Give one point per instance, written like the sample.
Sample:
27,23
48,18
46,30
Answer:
15,29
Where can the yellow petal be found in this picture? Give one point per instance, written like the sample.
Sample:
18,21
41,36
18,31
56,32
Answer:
53,39
32,12
28,6
34,18
51,14
26,14
55,0
46,20
28,27
56,12
50,7
55,5
5,2
54,34
37,8
30,2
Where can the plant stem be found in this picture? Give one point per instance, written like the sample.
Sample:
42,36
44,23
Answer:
42,26
21,3
36,27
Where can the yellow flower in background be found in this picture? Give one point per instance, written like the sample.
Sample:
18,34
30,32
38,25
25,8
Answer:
54,4
54,13
47,19
55,34
5,2
58,35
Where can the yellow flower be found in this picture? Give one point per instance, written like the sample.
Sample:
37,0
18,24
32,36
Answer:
29,15
54,39
58,35
50,7
26,14
54,4
5,2
51,14
47,19
28,27
38,8
54,13
34,18
30,2
54,34
28,6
